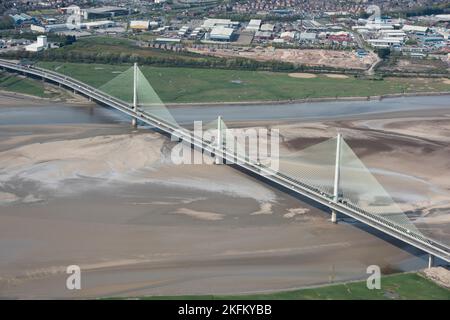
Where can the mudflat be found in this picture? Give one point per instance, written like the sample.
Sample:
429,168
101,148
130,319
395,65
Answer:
106,197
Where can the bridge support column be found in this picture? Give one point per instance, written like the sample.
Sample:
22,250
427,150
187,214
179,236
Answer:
135,102
333,216
430,261
219,159
337,173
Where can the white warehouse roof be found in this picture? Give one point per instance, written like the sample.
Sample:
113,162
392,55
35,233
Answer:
211,23
412,28
254,25
139,24
221,32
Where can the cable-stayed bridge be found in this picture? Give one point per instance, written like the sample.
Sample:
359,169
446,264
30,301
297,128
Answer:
328,173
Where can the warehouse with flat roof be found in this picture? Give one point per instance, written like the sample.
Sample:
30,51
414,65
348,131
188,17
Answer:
221,33
253,25
208,24
104,12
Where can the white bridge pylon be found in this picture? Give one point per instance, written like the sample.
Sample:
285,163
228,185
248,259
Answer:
132,87
334,170
330,167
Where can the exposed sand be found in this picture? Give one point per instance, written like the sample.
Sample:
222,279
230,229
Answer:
336,76
302,75
439,275
446,81
106,200
103,157
202,215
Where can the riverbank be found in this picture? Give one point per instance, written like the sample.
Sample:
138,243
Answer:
211,86
406,286
311,100
61,95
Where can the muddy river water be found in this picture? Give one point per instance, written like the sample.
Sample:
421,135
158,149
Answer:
79,186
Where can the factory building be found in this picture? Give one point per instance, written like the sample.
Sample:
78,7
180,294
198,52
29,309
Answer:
139,25
103,12
385,43
254,25
40,45
183,31
221,33
208,24
414,29
49,28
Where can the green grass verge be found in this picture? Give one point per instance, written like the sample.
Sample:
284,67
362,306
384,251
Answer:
14,83
217,85
408,286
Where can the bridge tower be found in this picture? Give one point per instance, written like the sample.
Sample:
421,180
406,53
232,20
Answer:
218,159
430,261
337,173
135,102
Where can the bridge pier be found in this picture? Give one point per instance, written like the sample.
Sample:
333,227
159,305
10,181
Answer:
333,216
134,122
430,261
218,159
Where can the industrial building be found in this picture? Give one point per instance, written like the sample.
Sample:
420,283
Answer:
414,29
139,25
208,24
40,45
56,28
308,36
103,12
288,35
221,33
267,27
253,25
22,18
385,42
49,28
183,31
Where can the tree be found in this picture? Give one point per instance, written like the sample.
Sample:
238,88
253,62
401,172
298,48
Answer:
6,22
383,53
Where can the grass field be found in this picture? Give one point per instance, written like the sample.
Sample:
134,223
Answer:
13,83
410,286
216,85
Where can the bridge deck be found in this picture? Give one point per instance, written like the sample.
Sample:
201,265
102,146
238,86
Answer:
419,241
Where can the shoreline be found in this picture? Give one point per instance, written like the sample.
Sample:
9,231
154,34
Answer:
310,100
246,103
76,99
